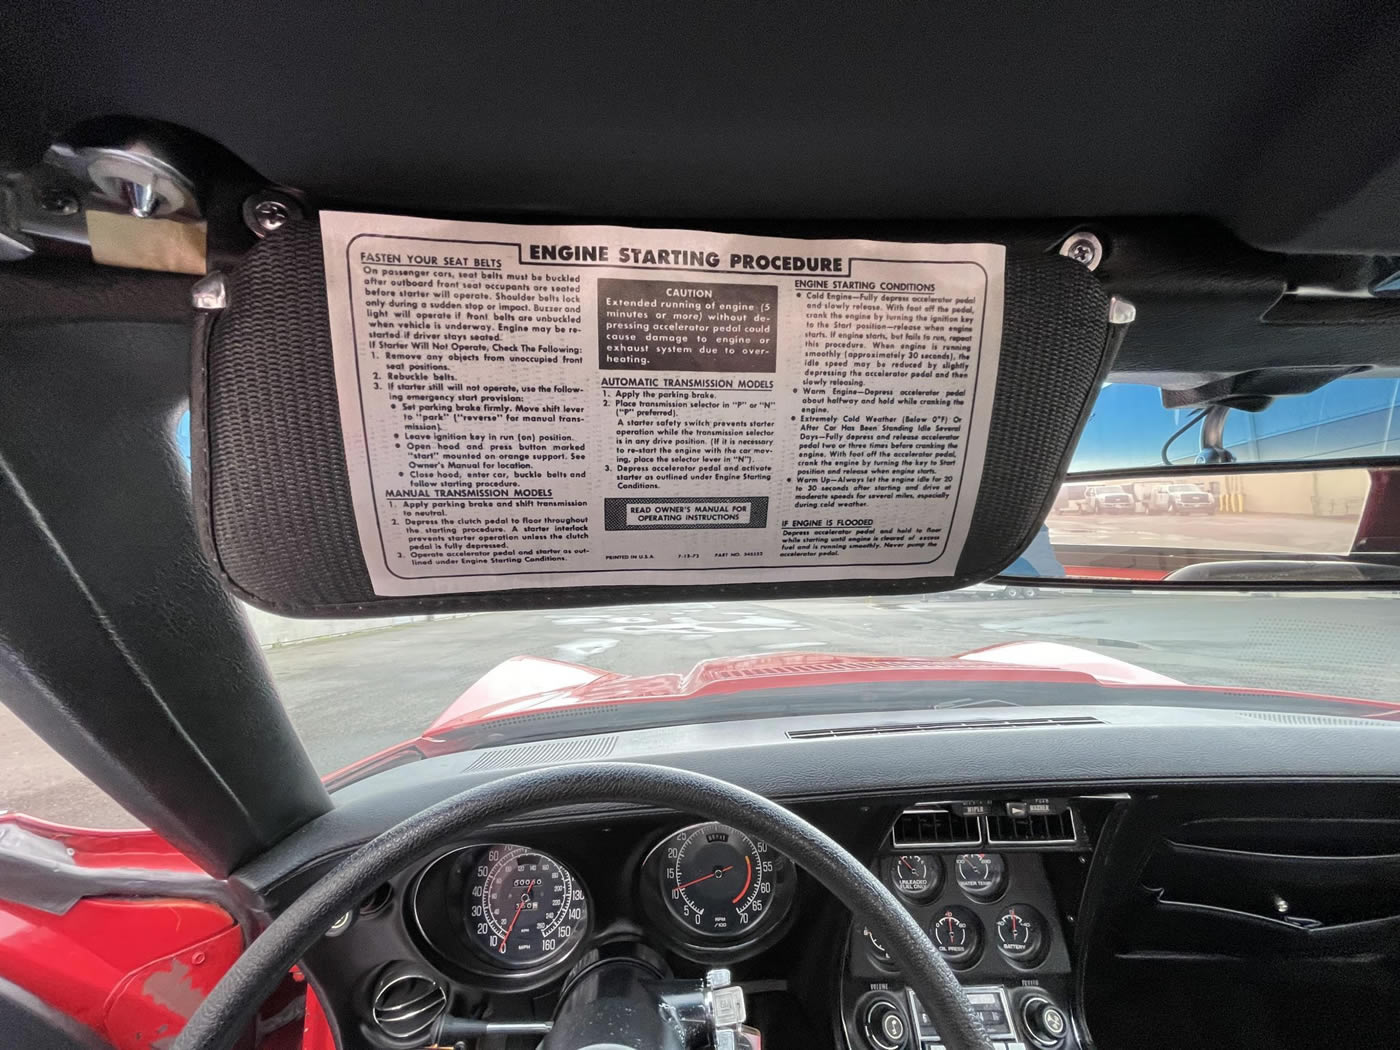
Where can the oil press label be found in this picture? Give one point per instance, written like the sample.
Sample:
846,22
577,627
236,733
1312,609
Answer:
530,406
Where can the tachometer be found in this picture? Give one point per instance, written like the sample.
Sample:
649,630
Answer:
718,882
524,907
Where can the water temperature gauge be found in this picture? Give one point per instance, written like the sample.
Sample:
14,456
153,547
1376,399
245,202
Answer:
982,876
1021,934
957,933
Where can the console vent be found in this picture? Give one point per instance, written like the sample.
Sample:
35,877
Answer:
935,827
1048,827
933,727
407,1004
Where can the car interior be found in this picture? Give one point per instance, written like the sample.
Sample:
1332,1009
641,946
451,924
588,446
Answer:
210,223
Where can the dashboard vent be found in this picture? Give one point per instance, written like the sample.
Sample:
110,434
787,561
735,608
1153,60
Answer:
407,1004
1048,827
546,752
935,827
934,727
1294,719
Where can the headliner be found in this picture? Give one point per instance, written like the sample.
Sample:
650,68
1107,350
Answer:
1276,118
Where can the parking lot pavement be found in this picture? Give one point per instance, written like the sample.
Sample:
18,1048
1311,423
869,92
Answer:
1284,533
353,695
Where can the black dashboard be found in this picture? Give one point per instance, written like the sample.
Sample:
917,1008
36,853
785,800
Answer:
1108,911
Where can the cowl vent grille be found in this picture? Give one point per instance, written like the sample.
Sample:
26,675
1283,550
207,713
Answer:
407,1004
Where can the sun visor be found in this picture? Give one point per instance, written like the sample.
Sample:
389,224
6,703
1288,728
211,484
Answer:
404,415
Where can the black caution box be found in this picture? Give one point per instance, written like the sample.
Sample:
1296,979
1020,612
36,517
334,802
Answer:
687,326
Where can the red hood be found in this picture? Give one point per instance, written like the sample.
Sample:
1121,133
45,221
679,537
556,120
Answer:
531,684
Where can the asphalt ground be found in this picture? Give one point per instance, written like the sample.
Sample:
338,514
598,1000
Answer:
1283,533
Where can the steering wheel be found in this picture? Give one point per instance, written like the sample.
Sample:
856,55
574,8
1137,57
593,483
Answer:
232,1003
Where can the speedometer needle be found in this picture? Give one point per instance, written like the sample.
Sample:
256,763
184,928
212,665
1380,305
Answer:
702,878
524,899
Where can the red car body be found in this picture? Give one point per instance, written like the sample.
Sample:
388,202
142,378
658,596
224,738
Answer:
133,968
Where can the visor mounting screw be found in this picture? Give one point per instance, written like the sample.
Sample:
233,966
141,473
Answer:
141,199
1084,248
1280,905
59,202
269,211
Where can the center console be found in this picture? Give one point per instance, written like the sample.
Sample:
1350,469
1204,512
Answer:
977,875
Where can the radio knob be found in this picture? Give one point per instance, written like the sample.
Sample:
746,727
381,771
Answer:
1045,1022
884,1025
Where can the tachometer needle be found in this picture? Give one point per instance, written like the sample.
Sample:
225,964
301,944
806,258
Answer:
748,881
702,878
524,899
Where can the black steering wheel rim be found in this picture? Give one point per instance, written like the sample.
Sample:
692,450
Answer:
231,1004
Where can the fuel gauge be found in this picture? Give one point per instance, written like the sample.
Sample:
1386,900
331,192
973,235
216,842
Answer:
914,876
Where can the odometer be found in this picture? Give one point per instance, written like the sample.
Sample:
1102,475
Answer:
524,907
718,882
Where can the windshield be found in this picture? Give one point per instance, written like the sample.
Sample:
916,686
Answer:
353,688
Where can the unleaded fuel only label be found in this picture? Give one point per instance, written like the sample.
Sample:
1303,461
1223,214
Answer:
528,406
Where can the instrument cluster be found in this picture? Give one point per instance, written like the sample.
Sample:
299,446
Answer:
516,915
1018,931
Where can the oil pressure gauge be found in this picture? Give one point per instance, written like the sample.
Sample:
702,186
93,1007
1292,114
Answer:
957,933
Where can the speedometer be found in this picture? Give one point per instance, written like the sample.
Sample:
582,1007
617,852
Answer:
524,907
719,882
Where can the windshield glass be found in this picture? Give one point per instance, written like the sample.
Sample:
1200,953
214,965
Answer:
1354,416
354,688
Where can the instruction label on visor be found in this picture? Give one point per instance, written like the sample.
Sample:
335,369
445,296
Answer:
585,406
